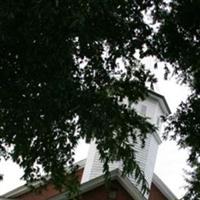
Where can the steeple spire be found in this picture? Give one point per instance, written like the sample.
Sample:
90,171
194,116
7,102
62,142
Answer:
154,106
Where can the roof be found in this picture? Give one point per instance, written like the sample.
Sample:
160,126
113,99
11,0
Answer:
115,175
96,182
162,101
24,188
163,188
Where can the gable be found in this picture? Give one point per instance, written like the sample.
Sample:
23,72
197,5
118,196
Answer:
96,190
117,192
156,194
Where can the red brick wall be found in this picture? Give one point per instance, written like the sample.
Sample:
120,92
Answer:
43,194
101,193
46,192
155,194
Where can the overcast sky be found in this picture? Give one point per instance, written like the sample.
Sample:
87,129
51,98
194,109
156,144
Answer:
170,161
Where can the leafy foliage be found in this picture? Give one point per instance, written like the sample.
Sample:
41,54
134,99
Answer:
178,42
183,122
60,81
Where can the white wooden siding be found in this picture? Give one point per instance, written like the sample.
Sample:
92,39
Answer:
145,157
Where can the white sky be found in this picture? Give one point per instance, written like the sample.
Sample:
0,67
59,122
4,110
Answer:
170,160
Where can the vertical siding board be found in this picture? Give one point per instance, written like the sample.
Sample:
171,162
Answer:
145,156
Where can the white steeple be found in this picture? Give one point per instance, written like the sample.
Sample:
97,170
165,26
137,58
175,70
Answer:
153,107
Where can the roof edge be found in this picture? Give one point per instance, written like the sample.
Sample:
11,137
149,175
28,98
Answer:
96,182
24,188
162,101
157,137
163,188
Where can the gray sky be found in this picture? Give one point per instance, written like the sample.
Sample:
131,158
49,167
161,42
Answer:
170,160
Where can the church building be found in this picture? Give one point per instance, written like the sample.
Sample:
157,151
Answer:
90,170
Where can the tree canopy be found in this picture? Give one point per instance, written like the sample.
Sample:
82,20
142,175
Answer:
66,66
178,43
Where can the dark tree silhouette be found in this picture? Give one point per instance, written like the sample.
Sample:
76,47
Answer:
60,79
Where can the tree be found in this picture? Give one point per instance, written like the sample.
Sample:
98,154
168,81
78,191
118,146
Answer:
60,81
178,42
66,66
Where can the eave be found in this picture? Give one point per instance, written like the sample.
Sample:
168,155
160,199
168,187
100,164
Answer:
162,101
116,174
163,188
